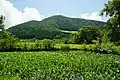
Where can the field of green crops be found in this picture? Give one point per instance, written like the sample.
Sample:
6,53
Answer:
72,65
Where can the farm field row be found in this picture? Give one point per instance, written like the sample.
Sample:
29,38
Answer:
59,65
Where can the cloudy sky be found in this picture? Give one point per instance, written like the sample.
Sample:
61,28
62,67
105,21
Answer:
20,11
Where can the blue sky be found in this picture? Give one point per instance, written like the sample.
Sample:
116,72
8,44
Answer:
65,7
20,11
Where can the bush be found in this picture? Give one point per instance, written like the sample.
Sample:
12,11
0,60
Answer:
107,48
47,44
7,41
87,34
65,47
37,44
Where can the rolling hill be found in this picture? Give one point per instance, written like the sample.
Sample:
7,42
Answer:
52,27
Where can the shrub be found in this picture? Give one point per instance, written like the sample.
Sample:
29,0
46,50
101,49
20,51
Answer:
37,45
65,47
7,41
107,48
87,34
47,44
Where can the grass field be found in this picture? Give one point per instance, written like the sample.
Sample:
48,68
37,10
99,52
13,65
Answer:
75,46
68,31
72,65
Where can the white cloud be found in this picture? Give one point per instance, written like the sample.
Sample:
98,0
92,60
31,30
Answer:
92,16
15,16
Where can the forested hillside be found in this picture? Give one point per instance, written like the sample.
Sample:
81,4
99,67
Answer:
51,27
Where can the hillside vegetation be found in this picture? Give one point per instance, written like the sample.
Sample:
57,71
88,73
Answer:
51,27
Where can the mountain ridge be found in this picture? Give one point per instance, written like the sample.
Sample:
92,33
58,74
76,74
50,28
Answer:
51,27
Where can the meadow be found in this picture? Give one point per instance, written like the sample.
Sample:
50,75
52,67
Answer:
59,65
56,45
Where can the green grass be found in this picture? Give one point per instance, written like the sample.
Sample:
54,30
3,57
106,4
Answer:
75,46
74,65
68,31
9,78
107,48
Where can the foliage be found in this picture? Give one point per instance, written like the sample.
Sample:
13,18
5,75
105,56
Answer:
112,9
87,34
1,22
51,45
60,65
9,78
65,47
36,45
106,48
47,44
51,27
7,41
105,38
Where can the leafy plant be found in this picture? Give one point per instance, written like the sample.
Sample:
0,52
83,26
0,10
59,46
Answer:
59,65
7,41
111,9
87,34
65,47
47,44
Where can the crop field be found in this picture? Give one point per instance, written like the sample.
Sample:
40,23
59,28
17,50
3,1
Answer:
72,65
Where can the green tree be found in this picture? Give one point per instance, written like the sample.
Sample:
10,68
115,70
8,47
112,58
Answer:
76,38
87,34
112,9
7,41
2,18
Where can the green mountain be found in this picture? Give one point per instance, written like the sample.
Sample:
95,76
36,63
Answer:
53,27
